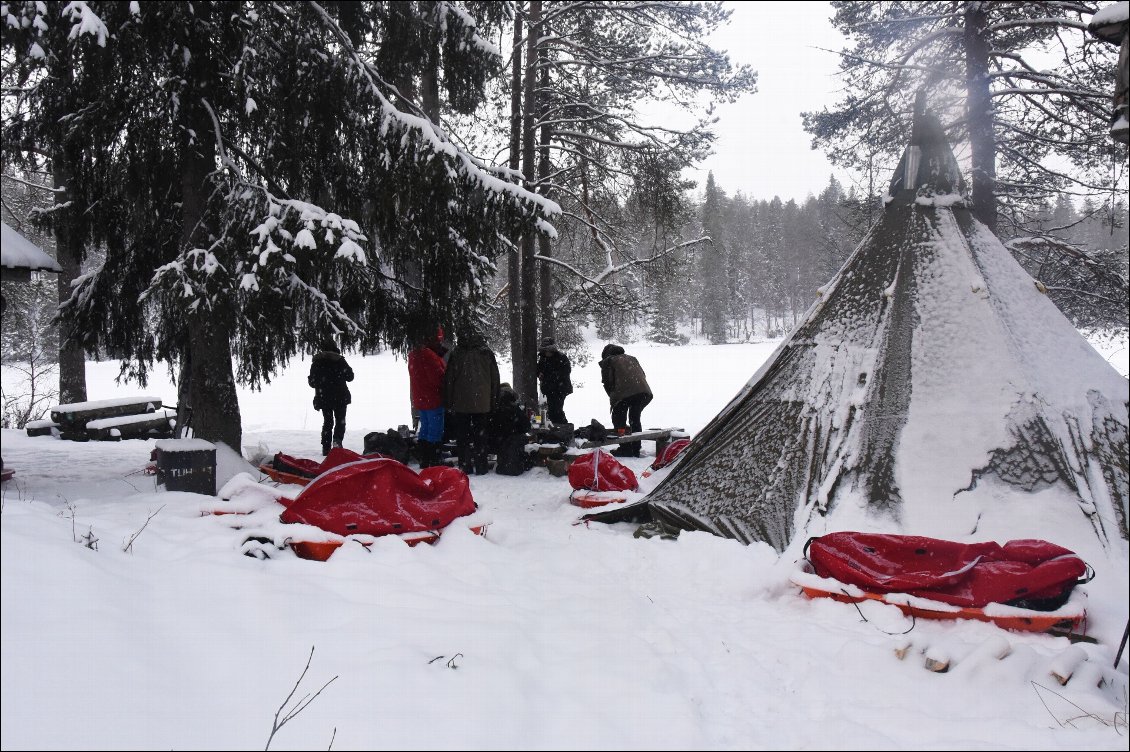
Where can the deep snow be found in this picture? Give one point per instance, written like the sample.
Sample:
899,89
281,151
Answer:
544,634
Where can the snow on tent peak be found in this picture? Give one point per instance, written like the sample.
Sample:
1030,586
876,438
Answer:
932,389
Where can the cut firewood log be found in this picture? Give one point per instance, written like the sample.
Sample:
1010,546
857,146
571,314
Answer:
937,660
1066,663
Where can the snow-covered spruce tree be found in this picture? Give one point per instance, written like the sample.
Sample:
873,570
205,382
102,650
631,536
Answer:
661,216
266,186
40,66
1022,83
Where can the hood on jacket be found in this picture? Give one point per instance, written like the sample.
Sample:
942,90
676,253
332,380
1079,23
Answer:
610,350
471,340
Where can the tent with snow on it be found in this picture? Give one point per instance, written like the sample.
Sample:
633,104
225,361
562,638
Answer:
382,497
932,388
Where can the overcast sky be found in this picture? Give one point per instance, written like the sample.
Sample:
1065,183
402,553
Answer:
762,149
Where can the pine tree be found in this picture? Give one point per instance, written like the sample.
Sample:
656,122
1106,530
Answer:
1023,84
261,185
587,68
715,296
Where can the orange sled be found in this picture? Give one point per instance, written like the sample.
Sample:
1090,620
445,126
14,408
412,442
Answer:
323,550
1027,621
590,499
280,477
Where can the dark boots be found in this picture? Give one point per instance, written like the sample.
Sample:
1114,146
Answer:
627,449
427,453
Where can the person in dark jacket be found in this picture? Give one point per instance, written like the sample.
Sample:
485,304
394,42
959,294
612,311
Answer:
553,373
508,432
628,393
470,393
425,378
328,375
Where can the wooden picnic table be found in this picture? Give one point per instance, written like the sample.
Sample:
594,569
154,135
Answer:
661,436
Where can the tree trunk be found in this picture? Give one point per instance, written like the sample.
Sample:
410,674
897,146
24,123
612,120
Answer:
211,391
429,76
525,355
548,328
68,251
514,261
214,400
979,114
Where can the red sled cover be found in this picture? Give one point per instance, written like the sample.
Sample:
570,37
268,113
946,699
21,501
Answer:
312,468
669,453
600,471
1033,574
382,496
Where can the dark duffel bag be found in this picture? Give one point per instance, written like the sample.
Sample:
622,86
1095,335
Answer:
390,444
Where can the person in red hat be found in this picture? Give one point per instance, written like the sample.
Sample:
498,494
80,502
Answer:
426,369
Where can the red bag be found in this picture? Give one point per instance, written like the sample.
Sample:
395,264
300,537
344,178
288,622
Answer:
312,468
669,453
378,497
600,471
1021,572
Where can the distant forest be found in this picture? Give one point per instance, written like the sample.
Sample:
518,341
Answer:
766,259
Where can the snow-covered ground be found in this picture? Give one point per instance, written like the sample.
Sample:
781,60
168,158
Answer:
544,634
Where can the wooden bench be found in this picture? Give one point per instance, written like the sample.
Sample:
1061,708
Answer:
155,425
661,436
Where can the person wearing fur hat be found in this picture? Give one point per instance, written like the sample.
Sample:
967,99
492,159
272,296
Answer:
553,374
628,393
329,373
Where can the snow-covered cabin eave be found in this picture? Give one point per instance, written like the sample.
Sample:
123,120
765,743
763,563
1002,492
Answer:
19,257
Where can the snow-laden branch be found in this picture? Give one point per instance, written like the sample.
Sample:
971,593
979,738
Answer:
60,189
588,284
425,130
1060,22
84,21
572,137
1042,92
940,72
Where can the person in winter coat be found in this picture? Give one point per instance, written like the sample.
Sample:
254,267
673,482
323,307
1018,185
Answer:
440,348
628,392
470,393
508,432
425,379
553,373
328,375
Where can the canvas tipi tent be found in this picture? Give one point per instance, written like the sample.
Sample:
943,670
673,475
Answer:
931,384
